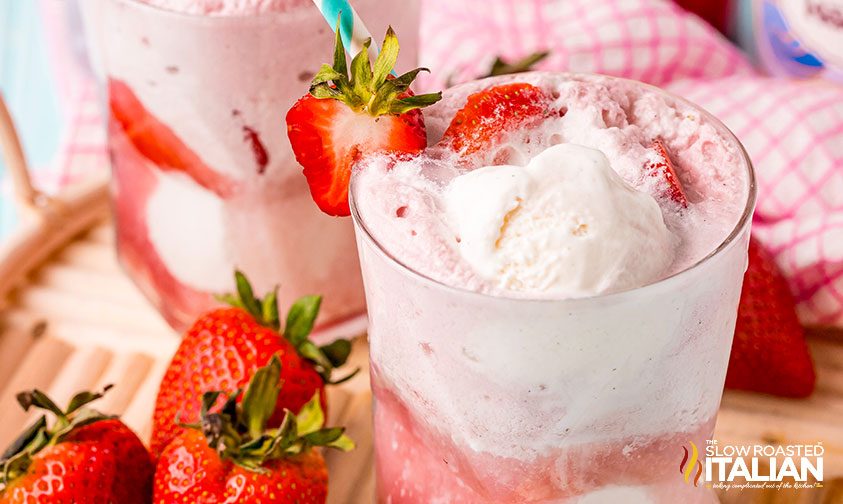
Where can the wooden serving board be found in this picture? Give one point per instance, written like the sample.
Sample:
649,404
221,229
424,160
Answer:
75,321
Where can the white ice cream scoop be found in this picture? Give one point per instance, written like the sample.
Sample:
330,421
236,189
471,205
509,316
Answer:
564,225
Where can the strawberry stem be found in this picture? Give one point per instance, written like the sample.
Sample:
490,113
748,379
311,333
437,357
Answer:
501,67
300,321
298,325
261,396
16,459
239,433
370,89
263,310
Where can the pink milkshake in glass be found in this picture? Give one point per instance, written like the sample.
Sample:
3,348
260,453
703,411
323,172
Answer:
552,288
204,178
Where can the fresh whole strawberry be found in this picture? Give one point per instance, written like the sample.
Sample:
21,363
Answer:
490,114
230,455
84,457
344,117
769,353
224,347
664,169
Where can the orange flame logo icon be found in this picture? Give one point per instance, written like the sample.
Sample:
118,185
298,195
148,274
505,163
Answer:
689,461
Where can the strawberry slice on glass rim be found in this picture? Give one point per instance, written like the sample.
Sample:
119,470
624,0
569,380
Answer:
350,113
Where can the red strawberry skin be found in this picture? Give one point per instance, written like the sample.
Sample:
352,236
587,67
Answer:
769,353
190,471
328,137
491,113
158,143
100,462
221,351
665,169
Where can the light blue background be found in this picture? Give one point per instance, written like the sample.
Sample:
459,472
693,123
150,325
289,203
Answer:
28,87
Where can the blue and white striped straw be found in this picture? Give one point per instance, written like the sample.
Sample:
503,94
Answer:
352,29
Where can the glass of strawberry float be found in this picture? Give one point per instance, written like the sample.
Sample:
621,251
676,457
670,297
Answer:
552,265
204,179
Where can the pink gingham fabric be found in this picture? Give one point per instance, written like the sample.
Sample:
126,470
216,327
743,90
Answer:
793,132
84,151
654,41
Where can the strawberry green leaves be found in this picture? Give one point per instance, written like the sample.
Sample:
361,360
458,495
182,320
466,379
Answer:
347,116
261,396
300,321
264,310
501,67
35,398
298,326
18,456
239,433
85,397
301,318
302,431
370,88
387,58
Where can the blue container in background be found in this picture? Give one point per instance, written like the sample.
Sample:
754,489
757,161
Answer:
794,38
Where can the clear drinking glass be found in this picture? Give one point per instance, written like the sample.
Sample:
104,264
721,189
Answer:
491,399
204,177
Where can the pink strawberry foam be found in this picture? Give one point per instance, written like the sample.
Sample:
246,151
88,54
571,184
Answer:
618,118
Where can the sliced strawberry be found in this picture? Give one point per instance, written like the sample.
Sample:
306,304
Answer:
328,137
158,143
664,169
769,353
490,114
347,116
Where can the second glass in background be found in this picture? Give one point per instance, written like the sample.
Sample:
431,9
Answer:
204,180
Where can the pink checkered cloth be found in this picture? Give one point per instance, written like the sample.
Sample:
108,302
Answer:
84,151
654,41
793,132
